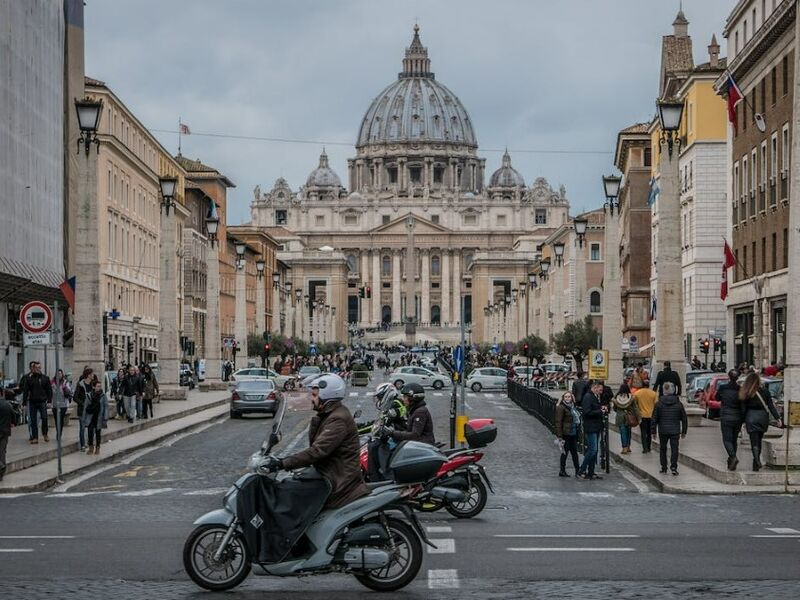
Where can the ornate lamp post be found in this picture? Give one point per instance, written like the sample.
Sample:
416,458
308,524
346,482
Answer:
240,322
544,266
89,111
580,230
558,250
611,185
612,282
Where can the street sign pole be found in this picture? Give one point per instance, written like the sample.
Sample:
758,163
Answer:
462,409
57,346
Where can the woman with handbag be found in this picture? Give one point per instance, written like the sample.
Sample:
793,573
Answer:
628,415
95,416
568,422
731,417
757,406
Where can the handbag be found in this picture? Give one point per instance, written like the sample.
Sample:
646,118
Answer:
773,422
630,419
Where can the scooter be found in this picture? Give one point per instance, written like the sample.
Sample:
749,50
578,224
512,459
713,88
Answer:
279,527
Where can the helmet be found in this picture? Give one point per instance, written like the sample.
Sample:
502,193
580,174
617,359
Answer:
414,390
381,390
331,387
388,400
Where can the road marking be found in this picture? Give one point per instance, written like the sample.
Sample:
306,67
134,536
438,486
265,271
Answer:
778,537
435,529
443,546
595,494
788,530
145,492
12,496
571,549
565,535
353,394
75,494
442,579
37,537
208,492
438,394
467,405
16,549
531,494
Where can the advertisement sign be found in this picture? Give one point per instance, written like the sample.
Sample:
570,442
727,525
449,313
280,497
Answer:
598,364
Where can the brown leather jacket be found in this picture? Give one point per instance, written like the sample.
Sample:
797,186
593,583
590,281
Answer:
334,451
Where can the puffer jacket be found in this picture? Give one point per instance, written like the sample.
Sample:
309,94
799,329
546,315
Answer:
419,426
730,408
564,420
669,416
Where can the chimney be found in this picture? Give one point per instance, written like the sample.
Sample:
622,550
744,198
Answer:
713,52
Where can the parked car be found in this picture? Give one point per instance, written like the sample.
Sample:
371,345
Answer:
525,373
694,390
283,382
308,370
424,377
708,401
487,378
255,396
691,374
186,377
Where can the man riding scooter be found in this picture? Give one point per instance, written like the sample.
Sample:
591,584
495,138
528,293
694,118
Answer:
419,425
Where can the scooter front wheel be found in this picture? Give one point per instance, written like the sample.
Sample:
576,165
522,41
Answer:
233,566
405,563
473,504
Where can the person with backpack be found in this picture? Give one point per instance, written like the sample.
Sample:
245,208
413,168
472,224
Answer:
95,416
671,423
568,423
149,390
628,415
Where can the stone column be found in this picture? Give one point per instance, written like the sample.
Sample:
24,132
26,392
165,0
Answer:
240,316
213,341
397,316
376,287
612,300
457,277
411,267
425,287
363,304
88,335
445,278
168,347
261,306
669,299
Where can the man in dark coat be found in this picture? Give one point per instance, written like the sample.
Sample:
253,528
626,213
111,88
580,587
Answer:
667,375
334,449
37,393
669,419
592,414
420,423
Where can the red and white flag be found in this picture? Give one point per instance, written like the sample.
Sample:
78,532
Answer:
734,97
185,129
730,261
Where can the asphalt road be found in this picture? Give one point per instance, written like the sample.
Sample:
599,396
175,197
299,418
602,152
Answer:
120,531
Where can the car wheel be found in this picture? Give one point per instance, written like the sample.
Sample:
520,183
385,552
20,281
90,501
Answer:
235,415
438,384
399,384
476,387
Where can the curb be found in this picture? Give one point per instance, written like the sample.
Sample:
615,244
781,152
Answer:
53,480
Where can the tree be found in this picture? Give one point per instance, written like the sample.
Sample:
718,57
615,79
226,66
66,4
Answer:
575,340
537,347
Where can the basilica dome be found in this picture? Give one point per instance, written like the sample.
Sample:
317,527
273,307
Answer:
323,176
506,175
416,108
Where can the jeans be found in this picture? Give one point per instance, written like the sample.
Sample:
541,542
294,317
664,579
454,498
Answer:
755,446
94,430
591,440
673,440
625,435
139,406
130,406
59,414
147,403
120,406
570,448
35,410
647,434
730,436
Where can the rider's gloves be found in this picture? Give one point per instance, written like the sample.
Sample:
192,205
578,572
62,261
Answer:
384,433
273,464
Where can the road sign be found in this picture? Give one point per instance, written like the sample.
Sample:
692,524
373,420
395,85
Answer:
458,359
228,342
626,345
36,339
598,364
36,317
312,350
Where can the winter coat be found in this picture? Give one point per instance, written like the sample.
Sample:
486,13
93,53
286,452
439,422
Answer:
7,417
756,418
419,426
579,388
625,404
334,451
669,416
131,385
667,375
82,391
564,421
592,413
730,407
102,416
61,394
149,387
36,388
646,401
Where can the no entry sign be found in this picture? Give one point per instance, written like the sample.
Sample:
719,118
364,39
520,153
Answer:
36,317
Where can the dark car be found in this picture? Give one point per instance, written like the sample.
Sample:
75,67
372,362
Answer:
256,396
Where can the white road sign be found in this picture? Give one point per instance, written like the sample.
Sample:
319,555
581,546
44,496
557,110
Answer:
36,339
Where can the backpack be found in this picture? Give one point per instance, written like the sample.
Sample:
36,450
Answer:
93,406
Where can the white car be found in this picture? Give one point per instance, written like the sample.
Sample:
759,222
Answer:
487,378
424,377
282,382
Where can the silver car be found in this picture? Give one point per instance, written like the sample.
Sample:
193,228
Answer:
257,396
284,382
424,377
487,378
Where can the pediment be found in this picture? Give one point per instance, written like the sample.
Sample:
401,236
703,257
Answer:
420,226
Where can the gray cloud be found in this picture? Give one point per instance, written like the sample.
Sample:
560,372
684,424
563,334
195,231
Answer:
534,74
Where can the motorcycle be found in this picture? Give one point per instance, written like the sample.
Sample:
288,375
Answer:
280,528
460,485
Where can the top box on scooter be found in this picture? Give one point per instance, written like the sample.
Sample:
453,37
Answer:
480,432
415,462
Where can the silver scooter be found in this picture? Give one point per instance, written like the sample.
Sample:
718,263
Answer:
377,538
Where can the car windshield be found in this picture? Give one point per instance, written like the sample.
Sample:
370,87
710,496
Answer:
254,386
309,370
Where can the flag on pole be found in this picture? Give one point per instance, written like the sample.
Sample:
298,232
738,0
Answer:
654,192
185,129
730,261
734,97
67,288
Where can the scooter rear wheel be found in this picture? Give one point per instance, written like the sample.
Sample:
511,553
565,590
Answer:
198,558
475,502
405,563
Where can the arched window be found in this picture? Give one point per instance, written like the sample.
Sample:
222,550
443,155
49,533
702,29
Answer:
386,314
351,263
594,302
436,315
386,265
436,266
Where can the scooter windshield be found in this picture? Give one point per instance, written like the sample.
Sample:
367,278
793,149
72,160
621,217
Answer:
275,433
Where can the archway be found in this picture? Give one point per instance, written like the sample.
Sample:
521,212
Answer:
386,314
436,315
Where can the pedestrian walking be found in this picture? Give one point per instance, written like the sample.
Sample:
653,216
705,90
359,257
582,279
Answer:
7,421
627,415
667,375
579,387
131,388
95,416
82,393
37,393
116,393
731,417
568,422
671,423
646,401
593,414
149,390
62,394
758,406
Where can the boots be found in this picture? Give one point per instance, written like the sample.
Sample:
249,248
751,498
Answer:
563,473
90,450
97,449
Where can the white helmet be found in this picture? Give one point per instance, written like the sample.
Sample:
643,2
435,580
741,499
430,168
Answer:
331,387
381,390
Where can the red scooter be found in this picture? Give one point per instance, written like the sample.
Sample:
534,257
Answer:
460,485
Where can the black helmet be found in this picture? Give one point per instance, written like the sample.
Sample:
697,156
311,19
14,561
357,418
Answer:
414,390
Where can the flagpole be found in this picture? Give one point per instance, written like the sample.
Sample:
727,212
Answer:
179,135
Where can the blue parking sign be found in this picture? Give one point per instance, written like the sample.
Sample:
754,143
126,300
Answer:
458,359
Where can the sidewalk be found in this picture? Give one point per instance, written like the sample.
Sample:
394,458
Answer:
34,467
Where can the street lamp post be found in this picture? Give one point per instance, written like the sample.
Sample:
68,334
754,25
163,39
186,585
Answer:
261,300
558,250
612,282
88,317
240,314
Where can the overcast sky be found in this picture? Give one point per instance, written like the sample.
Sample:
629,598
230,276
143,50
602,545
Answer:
544,75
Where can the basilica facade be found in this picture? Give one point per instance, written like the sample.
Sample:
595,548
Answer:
418,234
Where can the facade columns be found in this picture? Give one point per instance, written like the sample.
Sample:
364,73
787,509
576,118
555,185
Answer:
376,287
397,316
363,304
212,336
425,287
240,315
445,288
611,303
261,306
457,277
168,348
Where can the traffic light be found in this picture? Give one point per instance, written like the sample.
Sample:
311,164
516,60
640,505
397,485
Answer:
362,292
717,344
369,292
704,346
525,348
266,349
130,347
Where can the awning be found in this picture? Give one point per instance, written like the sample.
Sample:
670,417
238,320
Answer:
21,283
647,346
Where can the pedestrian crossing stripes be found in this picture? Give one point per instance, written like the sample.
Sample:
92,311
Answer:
443,579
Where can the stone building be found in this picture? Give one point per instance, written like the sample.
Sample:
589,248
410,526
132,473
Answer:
417,226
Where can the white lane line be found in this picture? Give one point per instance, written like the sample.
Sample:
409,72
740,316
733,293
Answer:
783,530
443,546
16,549
353,394
139,493
435,529
12,496
208,492
571,549
565,535
76,494
467,405
37,537
295,442
443,579
777,537
509,408
438,394
531,494
595,494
